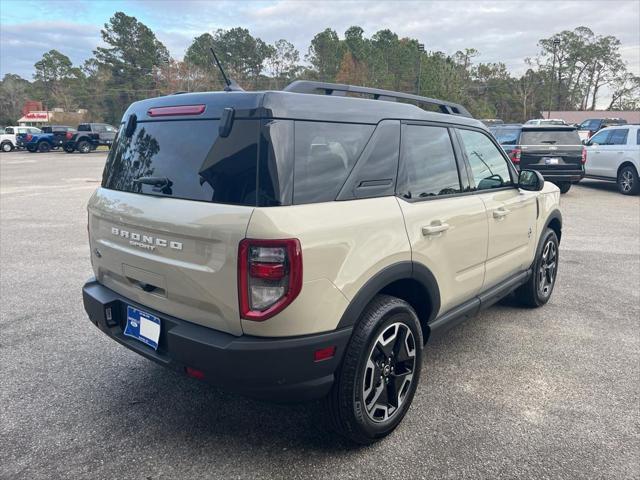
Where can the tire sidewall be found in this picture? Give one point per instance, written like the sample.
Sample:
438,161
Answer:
634,185
398,312
81,146
7,147
549,234
44,147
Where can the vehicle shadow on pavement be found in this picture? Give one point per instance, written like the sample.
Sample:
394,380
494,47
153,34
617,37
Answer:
599,185
188,413
174,404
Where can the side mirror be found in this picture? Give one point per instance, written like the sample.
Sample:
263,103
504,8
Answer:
530,180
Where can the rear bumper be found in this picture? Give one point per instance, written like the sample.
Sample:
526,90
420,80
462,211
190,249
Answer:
559,175
279,369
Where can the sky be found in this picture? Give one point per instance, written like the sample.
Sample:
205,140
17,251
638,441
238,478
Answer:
501,30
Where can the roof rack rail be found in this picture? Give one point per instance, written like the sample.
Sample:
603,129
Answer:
338,89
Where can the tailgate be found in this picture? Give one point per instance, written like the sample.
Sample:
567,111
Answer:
550,148
175,256
551,157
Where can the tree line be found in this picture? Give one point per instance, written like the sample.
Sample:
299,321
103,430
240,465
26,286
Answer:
570,72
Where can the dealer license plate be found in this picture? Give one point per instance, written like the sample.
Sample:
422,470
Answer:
143,326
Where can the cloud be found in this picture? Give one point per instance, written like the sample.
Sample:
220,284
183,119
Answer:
22,45
502,31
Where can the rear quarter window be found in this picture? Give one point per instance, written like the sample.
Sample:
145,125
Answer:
324,155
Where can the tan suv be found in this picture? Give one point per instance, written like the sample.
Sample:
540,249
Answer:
294,246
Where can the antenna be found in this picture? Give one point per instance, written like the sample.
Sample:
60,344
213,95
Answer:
230,84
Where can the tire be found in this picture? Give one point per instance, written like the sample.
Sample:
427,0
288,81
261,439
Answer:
32,149
84,146
69,148
564,186
44,147
367,376
6,147
538,289
628,182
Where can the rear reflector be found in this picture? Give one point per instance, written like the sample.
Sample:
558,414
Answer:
194,373
176,110
324,354
584,155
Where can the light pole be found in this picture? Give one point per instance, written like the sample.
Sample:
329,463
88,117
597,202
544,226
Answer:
420,52
556,42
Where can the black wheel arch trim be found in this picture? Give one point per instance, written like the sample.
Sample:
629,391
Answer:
554,215
407,270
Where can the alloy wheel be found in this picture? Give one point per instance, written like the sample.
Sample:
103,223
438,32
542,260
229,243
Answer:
547,269
626,181
388,373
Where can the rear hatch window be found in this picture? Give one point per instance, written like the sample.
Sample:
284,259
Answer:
550,137
186,159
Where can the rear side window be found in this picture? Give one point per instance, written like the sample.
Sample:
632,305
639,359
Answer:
489,167
619,136
590,125
84,128
8,131
427,163
638,137
186,159
324,155
506,136
550,137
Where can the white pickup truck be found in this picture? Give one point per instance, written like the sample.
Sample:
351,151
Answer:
8,136
614,154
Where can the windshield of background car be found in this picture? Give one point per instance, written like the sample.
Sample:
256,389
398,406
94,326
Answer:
507,136
550,137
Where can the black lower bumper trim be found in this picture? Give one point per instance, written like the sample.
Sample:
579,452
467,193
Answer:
280,369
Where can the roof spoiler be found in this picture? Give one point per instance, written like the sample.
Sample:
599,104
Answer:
338,89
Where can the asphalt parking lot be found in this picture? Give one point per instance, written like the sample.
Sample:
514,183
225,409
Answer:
549,393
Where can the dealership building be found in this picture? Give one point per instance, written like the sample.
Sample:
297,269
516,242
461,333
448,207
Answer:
33,115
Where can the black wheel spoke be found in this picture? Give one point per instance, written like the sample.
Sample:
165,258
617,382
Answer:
389,371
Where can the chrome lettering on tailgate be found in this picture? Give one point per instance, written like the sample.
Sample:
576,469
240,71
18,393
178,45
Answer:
147,242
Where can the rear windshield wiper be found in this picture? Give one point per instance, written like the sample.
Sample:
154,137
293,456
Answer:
160,184
551,142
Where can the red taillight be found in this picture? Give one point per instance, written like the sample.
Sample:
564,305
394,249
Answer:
28,137
269,276
324,354
584,155
515,155
68,135
176,110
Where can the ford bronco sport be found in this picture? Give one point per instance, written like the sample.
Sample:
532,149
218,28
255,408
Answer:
294,246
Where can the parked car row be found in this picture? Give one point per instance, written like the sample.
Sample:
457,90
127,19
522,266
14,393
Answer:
84,139
558,153
586,129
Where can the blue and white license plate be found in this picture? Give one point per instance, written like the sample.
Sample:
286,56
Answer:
143,327
551,160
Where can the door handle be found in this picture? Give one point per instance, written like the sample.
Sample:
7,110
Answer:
501,212
435,228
